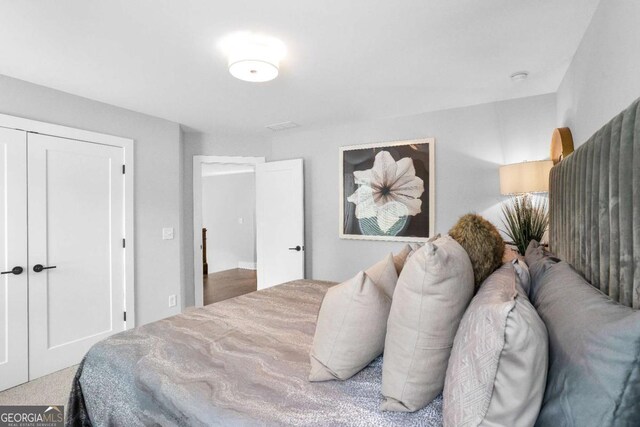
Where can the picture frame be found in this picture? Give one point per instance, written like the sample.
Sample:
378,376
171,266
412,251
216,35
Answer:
387,191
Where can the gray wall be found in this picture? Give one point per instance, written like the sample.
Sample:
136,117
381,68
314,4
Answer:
225,199
471,143
157,180
603,77
195,143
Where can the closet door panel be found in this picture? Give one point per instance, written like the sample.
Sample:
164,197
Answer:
13,253
76,224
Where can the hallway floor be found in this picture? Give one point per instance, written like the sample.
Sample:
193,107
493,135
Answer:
228,284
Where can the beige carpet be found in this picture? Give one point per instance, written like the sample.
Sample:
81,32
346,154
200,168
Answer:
52,389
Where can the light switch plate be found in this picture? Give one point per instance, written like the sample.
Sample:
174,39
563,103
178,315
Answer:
240,220
167,234
172,300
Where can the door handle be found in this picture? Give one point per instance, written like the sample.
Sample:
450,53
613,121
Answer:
297,248
39,267
15,270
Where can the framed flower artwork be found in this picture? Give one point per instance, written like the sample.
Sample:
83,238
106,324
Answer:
387,191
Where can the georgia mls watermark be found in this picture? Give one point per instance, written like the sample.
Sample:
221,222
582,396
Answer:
31,416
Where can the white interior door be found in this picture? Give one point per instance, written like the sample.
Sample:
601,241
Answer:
76,224
13,255
279,222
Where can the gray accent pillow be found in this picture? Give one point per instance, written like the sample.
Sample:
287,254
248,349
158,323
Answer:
497,369
536,252
432,293
594,350
352,323
524,278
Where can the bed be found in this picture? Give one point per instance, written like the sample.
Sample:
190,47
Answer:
594,208
245,361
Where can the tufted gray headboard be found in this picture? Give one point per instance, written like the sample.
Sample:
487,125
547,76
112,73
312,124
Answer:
594,207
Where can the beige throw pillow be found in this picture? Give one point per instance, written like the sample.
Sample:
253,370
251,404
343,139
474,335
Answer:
401,257
384,275
432,293
498,365
352,323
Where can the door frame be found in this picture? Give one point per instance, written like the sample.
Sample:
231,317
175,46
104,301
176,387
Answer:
198,161
127,144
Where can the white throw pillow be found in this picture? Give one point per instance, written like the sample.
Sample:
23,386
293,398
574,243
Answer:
384,275
401,257
432,293
352,323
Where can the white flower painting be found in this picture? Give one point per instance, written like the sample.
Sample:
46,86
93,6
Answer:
388,191
384,191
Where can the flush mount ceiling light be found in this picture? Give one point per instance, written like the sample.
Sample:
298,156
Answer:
519,76
253,57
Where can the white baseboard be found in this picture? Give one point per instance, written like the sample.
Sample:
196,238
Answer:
247,265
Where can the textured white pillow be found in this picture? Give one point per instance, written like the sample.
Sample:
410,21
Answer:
498,365
352,323
433,290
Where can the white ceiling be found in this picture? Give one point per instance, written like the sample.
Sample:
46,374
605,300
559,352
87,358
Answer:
347,59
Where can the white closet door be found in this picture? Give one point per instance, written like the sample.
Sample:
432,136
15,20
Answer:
279,222
76,224
13,253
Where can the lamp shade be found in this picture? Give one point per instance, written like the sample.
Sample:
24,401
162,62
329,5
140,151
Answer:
525,177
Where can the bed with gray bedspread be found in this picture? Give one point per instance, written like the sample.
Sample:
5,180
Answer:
243,361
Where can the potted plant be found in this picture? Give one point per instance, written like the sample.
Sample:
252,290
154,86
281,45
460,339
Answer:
525,220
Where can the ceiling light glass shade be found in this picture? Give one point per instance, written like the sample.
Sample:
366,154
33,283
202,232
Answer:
253,71
253,57
525,177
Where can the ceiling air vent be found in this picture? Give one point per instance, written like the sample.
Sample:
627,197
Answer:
282,126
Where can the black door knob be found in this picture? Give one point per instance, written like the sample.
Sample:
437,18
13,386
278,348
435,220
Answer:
297,248
39,267
15,270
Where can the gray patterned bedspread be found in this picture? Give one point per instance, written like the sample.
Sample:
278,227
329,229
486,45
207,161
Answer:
243,361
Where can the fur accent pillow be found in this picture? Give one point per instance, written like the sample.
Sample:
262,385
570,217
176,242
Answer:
483,244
